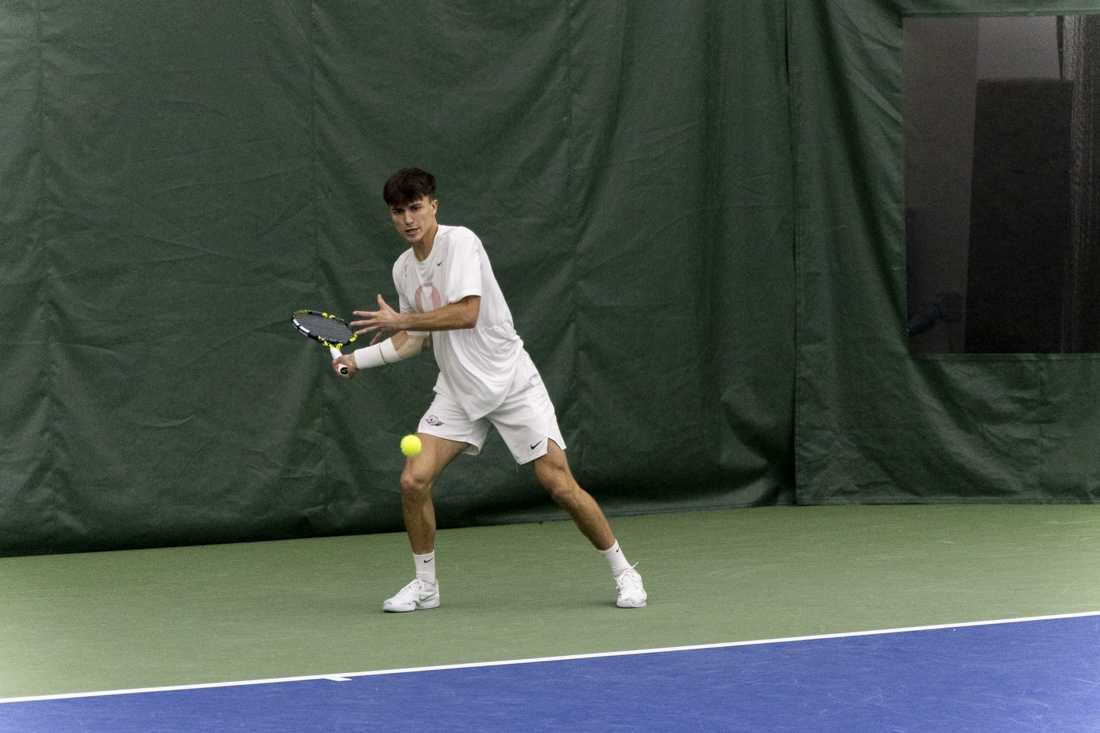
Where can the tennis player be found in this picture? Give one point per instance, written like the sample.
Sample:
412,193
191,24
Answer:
447,293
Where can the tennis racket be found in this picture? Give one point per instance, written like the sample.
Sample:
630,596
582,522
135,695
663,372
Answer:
331,331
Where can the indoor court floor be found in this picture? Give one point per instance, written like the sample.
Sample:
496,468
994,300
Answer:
853,618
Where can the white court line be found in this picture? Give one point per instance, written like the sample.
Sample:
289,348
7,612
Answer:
346,676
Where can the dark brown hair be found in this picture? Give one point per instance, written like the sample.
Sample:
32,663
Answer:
408,185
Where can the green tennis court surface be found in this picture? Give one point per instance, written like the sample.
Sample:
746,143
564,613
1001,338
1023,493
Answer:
181,616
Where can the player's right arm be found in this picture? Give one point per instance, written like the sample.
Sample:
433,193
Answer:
397,347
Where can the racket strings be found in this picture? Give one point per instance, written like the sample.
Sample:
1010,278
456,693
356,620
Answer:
323,328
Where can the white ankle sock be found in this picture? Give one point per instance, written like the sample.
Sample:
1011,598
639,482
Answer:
425,567
616,559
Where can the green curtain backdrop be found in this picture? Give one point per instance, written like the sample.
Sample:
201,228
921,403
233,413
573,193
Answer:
694,209
873,423
176,178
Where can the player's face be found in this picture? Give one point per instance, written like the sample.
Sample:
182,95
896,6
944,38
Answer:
416,219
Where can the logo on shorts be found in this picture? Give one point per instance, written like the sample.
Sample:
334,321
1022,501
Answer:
536,445
433,420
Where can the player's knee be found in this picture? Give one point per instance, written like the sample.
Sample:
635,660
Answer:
560,485
415,485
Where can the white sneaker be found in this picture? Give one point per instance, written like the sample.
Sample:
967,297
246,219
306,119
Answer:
415,596
631,591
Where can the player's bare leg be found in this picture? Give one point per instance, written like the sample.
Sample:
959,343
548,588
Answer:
417,479
553,474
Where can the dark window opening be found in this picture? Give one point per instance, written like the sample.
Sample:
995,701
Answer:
1002,183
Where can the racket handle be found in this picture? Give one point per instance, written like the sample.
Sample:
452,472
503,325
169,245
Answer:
336,354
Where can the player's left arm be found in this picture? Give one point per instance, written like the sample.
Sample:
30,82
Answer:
453,316
409,332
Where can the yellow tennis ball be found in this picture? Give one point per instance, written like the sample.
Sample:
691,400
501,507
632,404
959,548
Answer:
410,445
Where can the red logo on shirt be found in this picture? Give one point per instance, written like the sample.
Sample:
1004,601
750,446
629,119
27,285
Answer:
428,298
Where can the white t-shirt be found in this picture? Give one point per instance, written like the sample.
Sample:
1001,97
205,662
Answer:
476,365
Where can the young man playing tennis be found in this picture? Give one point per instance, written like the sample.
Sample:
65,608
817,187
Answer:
448,292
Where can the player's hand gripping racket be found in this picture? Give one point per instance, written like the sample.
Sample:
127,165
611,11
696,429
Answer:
331,331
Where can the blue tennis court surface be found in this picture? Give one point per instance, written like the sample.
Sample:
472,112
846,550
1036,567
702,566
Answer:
1026,675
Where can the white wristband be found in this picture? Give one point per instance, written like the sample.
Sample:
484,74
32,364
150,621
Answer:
376,355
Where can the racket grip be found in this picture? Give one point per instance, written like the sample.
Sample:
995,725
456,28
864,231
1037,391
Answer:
336,354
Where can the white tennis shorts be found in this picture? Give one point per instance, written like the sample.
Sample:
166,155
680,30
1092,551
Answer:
526,419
